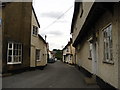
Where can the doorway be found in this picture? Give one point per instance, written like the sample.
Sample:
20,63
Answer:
94,57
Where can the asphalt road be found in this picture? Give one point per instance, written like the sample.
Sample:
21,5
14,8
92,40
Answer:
55,75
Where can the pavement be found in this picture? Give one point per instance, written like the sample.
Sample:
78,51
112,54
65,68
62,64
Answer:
54,75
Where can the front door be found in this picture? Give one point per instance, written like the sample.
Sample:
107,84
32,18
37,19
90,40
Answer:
94,57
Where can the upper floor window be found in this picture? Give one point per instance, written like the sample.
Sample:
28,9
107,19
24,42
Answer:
14,53
67,49
107,34
90,51
35,30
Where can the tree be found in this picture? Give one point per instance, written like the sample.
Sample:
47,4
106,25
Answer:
58,53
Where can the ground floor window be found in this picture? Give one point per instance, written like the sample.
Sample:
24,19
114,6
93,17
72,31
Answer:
107,33
90,48
90,51
14,53
37,54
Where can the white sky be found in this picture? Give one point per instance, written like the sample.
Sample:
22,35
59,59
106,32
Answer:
48,11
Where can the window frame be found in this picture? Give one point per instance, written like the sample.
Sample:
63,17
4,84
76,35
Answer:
18,54
36,55
90,47
35,30
108,60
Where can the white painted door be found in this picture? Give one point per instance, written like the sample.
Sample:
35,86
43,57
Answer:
94,58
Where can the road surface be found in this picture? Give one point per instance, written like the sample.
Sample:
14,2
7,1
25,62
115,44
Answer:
55,75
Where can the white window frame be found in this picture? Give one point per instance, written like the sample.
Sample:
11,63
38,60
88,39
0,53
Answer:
37,59
107,44
19,55
35,30
90,48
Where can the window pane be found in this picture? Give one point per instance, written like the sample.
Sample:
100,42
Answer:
37,54
35,30
10,52
108,43
20,59
9,59
15,58
10,45
19,52
19,46
15,52
15,46
17,55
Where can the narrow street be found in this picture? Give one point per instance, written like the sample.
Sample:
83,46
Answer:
55,75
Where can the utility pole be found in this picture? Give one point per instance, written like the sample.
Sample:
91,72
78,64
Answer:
45,37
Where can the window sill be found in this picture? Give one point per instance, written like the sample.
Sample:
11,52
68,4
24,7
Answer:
14,63
38,60
90,58
109,62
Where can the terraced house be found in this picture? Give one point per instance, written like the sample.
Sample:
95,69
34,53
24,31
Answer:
16,26
38,45
95,32
69,53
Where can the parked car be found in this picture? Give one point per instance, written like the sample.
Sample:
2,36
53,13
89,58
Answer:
51,60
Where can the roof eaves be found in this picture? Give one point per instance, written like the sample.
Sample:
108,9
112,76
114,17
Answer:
76,11
42,38
36,17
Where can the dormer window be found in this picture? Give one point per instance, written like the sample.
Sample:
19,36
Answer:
35,30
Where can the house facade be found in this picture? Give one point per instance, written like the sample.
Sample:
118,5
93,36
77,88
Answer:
69,53
51,54
16,26
95,31
38,45
0,39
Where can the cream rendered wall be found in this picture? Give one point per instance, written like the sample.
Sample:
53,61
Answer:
43,53
32,56
83,56
37,43
119,46
33,42
80,21
1,41
69,57
73,54
64,53
69,50
108,72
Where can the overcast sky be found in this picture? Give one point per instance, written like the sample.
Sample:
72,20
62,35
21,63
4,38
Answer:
55,18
